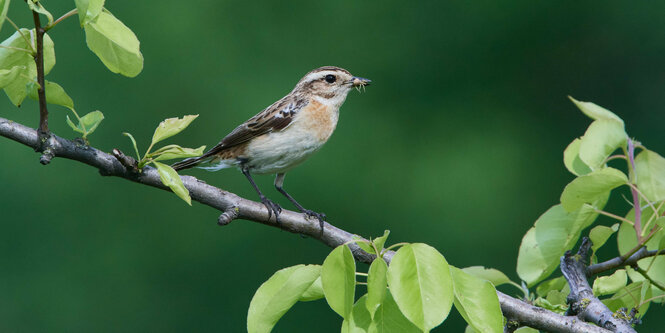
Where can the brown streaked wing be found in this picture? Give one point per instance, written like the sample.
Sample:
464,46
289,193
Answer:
274,118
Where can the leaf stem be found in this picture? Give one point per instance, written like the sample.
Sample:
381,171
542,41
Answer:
396,245
646,276
27,41
600,211
649,203
16,48
613,157
61,18
653,217
633,190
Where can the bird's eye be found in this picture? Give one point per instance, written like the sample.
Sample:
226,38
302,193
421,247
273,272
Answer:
330,78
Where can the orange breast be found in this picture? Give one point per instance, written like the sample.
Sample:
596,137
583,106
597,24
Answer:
320,119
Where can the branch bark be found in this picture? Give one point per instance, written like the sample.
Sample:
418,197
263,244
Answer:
582,301
232,206
39,62
621,261
533,316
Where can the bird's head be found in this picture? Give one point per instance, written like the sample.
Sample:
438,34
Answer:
330,83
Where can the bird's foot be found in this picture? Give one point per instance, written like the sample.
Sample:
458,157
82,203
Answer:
273,208
319,216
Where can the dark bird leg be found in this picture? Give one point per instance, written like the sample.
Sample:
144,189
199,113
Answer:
270,205
279,182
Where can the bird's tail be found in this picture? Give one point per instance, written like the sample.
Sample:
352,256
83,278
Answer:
191,162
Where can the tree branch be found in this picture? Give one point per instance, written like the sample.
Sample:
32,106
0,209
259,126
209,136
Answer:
39,62
581,298
45,137
533,316
621,261
234,206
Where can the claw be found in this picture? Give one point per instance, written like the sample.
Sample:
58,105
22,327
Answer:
272,208
319,216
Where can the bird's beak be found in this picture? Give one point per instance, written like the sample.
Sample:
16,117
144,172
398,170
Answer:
360,81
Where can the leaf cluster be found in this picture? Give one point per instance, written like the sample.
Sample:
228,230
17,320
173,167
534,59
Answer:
414,294
583,200
119,50
106,36
166,129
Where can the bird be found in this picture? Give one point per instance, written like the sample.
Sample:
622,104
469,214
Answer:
284,134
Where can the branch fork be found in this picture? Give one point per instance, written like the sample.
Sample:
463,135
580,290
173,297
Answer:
583,302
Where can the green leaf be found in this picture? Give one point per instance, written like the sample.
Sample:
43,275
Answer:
650,171
363,244
495,276
389,319
469,329
359,320
88,123
555,232
4,7
380,242
88,10
136,149
314,292
544,288
115,44
91,120
171,126
36,6
557,297
572,161
171,179
376,285
16,89
7,76
55,94
554,307
338,277
630,297
600,140
277,295
420,281
600,234
176,151
605,285
595,112
591,187
525,329
477,302
72,125
626,240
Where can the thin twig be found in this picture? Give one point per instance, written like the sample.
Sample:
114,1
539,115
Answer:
63,17
39,61
646,276
629,259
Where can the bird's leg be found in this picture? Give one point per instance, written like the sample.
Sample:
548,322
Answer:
270,205
279,182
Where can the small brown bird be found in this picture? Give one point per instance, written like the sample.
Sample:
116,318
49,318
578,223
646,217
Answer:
284,134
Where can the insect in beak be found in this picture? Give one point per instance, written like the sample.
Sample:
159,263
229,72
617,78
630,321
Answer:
358,82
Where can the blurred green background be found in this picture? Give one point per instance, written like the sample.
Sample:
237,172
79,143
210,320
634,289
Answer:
458,143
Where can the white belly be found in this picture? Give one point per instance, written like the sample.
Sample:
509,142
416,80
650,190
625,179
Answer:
277,152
